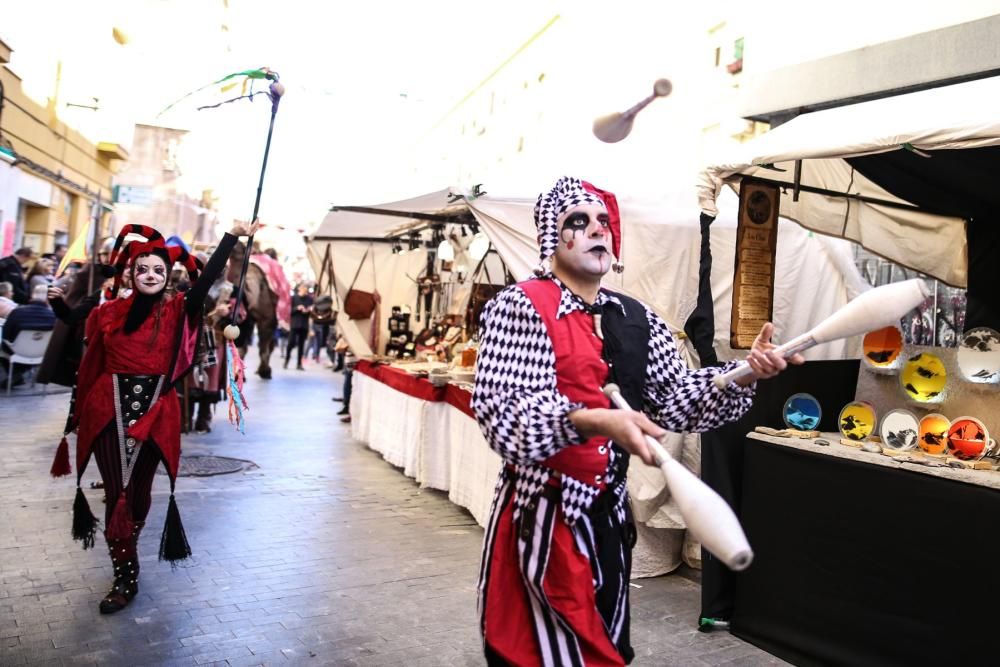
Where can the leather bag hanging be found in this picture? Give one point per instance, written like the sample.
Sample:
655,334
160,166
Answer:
327,283
483,291
359,304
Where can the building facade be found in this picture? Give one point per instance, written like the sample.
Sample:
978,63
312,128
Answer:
150,190
51,176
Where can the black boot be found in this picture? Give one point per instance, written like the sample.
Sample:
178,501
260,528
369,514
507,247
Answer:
204,422
125,558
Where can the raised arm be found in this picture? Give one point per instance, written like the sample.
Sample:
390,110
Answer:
194,298
519,409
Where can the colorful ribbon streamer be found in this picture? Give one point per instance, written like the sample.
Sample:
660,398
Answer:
235,371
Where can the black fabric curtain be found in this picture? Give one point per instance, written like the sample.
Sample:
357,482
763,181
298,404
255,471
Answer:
858,564
960,183
700,325
833,383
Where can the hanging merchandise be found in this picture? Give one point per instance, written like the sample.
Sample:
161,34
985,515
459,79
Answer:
359,304
326,285
483,290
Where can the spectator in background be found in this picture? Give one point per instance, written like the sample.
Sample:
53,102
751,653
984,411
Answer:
59,253
302,303
351,361
40,274
12,271
36,315
272,253
64,281
323,317
7,304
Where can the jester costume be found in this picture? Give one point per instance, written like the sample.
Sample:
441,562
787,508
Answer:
553,586
128,415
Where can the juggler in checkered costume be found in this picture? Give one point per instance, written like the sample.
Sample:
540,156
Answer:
553,586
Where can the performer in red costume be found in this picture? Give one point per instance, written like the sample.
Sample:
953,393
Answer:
128,415
553,587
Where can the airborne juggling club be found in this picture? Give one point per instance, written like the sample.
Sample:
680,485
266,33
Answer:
708,517
616,126
875,309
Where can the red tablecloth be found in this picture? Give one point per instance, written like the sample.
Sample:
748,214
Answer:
459,398
417,387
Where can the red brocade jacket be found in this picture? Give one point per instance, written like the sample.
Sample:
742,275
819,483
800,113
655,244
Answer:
163,345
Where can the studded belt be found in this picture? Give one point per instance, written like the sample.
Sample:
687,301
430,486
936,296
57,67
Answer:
134,394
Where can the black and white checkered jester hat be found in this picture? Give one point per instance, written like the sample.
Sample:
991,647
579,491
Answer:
567,193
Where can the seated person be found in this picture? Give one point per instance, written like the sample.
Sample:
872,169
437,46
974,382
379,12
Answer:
7,304
36,315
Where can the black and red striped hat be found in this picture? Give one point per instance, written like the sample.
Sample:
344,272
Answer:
153,245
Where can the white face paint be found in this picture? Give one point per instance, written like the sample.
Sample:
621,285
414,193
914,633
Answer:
584,248
149,274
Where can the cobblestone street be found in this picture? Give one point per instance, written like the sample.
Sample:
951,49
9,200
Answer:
323,554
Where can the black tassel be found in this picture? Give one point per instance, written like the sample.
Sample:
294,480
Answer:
84,521
173,543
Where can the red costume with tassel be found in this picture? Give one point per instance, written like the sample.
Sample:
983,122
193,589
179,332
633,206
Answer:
128,414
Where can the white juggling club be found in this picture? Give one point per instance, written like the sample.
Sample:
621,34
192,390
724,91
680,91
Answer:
708,517
875,309
616,126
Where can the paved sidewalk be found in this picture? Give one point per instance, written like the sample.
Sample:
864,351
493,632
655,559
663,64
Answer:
324,555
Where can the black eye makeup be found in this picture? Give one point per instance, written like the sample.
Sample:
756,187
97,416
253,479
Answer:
142,269
576,221
579,220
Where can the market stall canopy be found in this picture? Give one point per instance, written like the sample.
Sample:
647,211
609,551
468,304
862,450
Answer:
661,250
900,176
382,221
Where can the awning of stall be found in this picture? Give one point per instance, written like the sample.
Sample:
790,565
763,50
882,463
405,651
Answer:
900,176
383,222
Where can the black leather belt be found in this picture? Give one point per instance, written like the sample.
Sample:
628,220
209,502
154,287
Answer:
135,395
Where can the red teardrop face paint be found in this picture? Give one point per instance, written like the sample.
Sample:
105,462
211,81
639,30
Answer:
585,238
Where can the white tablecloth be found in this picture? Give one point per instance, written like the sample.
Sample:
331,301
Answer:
435,443
441,447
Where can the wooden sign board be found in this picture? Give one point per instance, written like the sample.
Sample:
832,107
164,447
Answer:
753,277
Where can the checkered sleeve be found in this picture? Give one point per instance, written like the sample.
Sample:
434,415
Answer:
515,399
686,400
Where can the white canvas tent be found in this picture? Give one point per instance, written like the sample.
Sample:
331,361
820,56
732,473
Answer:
860,166
661,250
814,275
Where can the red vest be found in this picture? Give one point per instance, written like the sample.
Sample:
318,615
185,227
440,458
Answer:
580,374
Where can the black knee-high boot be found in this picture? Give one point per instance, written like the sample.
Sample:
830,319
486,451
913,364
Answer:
125,558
